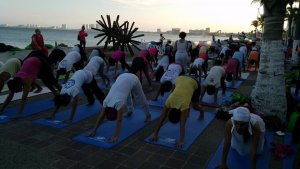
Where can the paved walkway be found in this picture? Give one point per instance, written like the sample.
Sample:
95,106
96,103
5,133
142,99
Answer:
26,145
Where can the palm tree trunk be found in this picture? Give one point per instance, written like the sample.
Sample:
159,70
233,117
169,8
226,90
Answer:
268,95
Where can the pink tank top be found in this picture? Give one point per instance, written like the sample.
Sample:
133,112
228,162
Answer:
117,55
30,69
143,54
152,51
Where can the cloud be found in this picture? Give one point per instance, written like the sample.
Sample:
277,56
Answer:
138,2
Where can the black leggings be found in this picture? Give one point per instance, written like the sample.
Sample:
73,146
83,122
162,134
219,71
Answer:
93,89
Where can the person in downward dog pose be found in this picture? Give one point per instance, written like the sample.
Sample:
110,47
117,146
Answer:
177,107
119,101
81,79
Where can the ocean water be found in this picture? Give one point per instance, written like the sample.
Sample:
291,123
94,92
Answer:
21,37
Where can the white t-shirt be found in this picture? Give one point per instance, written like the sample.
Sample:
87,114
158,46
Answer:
120,93
94,65
172,73
237,140
164,62
224,50
76,49
244,51
73,85
68,61
214,76
94,52
239,56
197,62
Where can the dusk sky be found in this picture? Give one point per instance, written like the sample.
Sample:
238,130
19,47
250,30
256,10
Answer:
148,15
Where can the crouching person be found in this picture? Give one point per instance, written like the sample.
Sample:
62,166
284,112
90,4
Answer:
244,132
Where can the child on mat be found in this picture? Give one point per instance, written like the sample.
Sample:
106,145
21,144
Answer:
214,80
119,56
244,132
141,64
119,101
168,79
231,70
8,70
26,77
75,58
81,79
177,107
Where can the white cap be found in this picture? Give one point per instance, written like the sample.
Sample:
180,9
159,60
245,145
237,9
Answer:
240,114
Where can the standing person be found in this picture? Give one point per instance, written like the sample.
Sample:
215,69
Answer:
161,40
181,49
37,42
119,101
244,132
26,77
81,37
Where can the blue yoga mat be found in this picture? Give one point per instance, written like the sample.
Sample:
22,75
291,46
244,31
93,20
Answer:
29,109
82,112
170,132
293,92
237,84
130,126
236,161
208,100
160,101
288,161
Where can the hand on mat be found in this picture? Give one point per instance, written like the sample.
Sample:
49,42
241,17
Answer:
90,134
153,138
179,144
113,139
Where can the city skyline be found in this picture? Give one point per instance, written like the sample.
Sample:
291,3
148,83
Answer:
229,16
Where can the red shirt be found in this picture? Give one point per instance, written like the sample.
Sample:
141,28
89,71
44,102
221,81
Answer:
82,35
39,40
